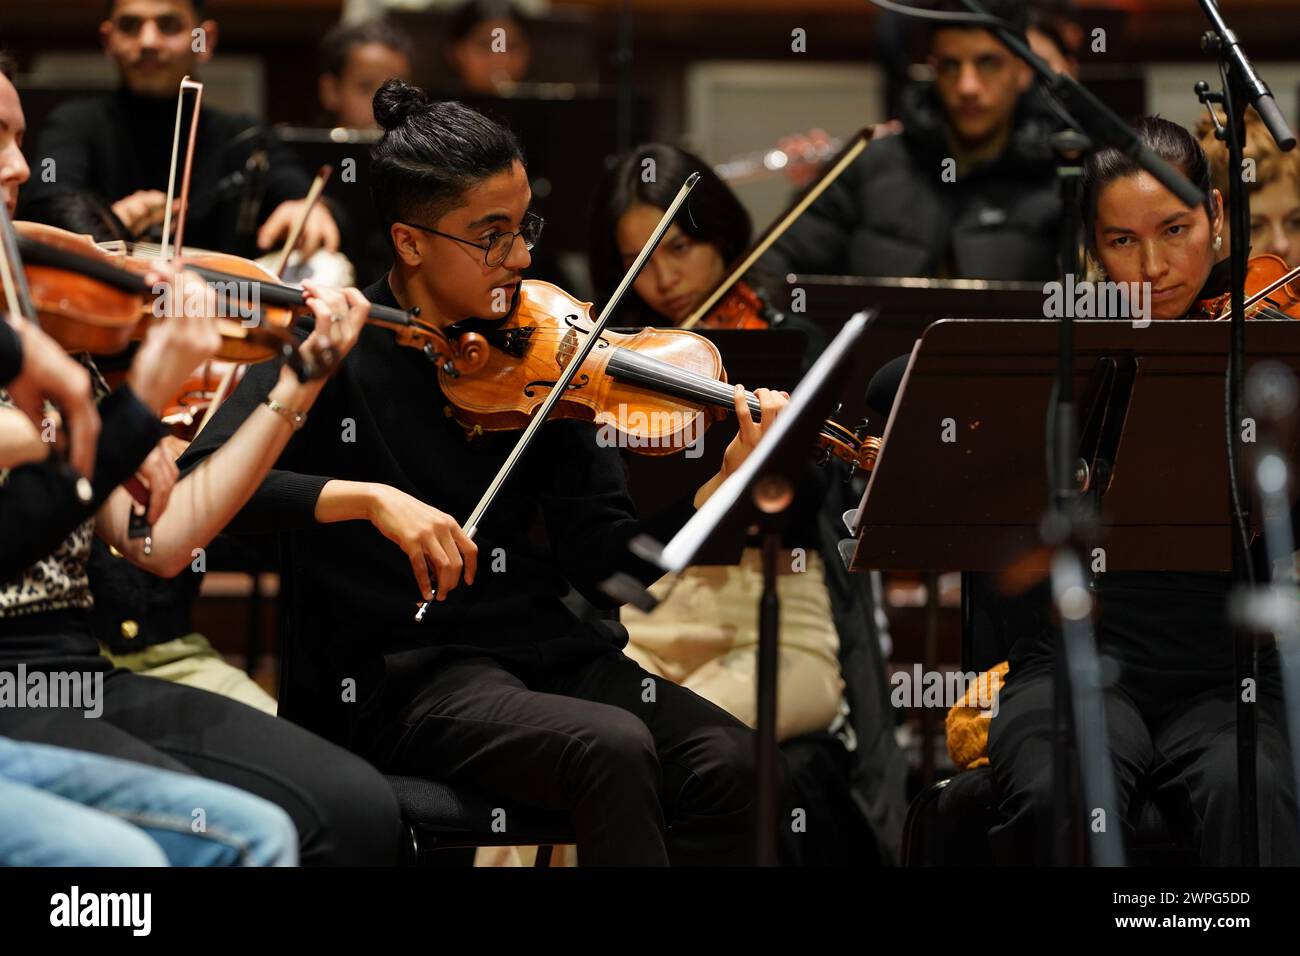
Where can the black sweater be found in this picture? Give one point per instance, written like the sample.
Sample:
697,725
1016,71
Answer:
352,594
38,502
115,144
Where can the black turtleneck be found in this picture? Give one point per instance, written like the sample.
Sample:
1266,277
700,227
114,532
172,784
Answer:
115,144
1218,282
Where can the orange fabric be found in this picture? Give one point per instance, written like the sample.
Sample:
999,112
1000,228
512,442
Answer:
968,720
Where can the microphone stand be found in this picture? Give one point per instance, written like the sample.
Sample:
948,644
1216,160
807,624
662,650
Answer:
626,95
1240,84
1071,519
1070,523
1271,396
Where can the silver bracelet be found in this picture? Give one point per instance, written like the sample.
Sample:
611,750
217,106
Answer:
295,419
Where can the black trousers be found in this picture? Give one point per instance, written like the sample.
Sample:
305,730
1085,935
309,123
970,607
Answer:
343,809
1179,744
622,750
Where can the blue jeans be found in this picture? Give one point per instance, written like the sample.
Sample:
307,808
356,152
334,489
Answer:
67,808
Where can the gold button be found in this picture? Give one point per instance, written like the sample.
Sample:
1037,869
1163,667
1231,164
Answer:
130,629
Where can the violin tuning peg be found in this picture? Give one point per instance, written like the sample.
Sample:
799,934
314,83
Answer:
450,368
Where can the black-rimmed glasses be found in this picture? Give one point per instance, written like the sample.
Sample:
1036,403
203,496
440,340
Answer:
497,249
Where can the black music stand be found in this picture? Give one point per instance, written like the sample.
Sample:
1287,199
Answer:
907,306
1151,453
758,495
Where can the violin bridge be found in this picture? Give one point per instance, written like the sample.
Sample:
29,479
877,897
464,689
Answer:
567,349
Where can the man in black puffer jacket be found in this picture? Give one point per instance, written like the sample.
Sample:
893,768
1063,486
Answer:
967,190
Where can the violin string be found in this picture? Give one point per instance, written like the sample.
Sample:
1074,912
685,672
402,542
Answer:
657,375
662,376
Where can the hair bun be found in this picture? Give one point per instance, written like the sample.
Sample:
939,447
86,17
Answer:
395,101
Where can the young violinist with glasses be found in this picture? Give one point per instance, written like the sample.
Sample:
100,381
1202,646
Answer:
500,688
1170,714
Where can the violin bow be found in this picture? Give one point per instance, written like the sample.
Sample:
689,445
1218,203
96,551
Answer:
561,385
137,527
197,88
851,151
295,234
18,297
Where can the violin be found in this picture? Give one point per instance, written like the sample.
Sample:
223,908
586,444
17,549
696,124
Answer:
212,384
1272,292
89,300
743,307
657,389
94,301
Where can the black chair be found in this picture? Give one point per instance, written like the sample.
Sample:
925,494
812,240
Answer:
948,822
440,817
850,783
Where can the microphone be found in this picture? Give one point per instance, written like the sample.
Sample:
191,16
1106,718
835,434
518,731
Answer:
1257,91
884,385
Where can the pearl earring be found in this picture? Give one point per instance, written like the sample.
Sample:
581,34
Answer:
1218,243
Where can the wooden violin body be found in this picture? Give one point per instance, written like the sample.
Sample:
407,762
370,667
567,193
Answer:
243,338
92,300
657,390
501,378
81,313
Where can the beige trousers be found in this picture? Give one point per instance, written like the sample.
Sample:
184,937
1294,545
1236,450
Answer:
192,661
704,636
